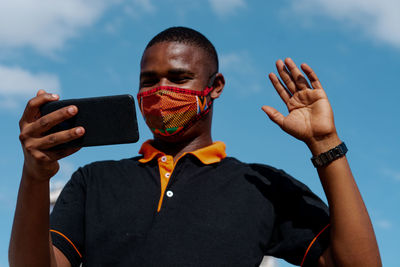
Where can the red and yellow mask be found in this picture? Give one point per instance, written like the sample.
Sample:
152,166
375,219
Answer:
171,110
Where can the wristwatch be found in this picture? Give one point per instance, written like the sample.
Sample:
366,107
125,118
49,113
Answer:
327,157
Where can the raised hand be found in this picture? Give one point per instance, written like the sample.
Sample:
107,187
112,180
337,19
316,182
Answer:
310,117
41,162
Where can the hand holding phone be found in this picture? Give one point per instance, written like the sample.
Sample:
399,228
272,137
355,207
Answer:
40,161
107,120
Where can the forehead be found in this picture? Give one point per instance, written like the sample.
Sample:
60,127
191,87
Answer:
165,56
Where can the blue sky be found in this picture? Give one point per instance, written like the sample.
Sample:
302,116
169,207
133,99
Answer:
88,48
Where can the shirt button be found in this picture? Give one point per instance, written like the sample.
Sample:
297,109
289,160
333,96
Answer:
163,158
170,193
167,175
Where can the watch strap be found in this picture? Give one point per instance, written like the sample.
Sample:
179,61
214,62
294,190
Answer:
327,157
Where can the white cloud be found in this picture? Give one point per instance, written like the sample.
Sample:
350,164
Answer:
17,83
384,224
67,168
45,25
146,5
269,261
58,182
395,175
137,8
226,7
240,72
379,19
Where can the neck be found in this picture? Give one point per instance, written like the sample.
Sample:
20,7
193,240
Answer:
176,149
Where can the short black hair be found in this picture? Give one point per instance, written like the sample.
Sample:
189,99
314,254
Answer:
186,36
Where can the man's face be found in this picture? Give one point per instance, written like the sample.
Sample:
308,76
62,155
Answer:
175,64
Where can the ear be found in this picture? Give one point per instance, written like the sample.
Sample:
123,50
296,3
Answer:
218,86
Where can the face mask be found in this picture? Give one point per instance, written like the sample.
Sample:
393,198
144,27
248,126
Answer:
171,110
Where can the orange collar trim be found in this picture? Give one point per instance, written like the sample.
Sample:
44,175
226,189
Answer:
207,155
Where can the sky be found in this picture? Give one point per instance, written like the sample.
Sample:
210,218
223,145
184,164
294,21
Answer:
84,48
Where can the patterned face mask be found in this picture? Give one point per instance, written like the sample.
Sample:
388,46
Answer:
172,110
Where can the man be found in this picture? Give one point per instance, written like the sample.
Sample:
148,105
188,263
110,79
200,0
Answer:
183,202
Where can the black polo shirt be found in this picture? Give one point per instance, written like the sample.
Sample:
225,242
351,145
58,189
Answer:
218,213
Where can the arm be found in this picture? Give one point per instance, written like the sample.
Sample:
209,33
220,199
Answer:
310,120
30,242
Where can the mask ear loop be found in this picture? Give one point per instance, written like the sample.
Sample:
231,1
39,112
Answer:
210,88
212,80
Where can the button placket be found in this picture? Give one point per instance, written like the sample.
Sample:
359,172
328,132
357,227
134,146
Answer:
166,165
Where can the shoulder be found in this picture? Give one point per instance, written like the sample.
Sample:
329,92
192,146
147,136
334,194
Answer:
271,180
260,171
278,177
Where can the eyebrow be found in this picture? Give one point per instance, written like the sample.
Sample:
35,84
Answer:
178,71
148,74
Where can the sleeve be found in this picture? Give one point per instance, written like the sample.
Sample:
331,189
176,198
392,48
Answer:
67,219
301,221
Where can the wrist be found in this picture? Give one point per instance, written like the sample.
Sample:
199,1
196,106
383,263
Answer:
32,177
321,145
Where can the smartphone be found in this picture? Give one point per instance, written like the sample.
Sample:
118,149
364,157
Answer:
107,120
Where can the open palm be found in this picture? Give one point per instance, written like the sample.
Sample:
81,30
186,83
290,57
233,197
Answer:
310,115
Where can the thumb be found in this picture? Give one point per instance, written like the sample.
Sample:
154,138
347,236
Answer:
40,92
274,115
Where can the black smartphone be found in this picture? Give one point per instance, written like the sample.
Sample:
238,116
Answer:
107,120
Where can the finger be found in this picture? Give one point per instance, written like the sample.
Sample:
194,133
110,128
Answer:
32,112
316,84
62,153
279,87
298,77
58,138
274,115
48,121
47,156
286,76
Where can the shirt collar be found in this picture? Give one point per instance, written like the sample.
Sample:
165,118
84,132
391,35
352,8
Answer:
207,155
